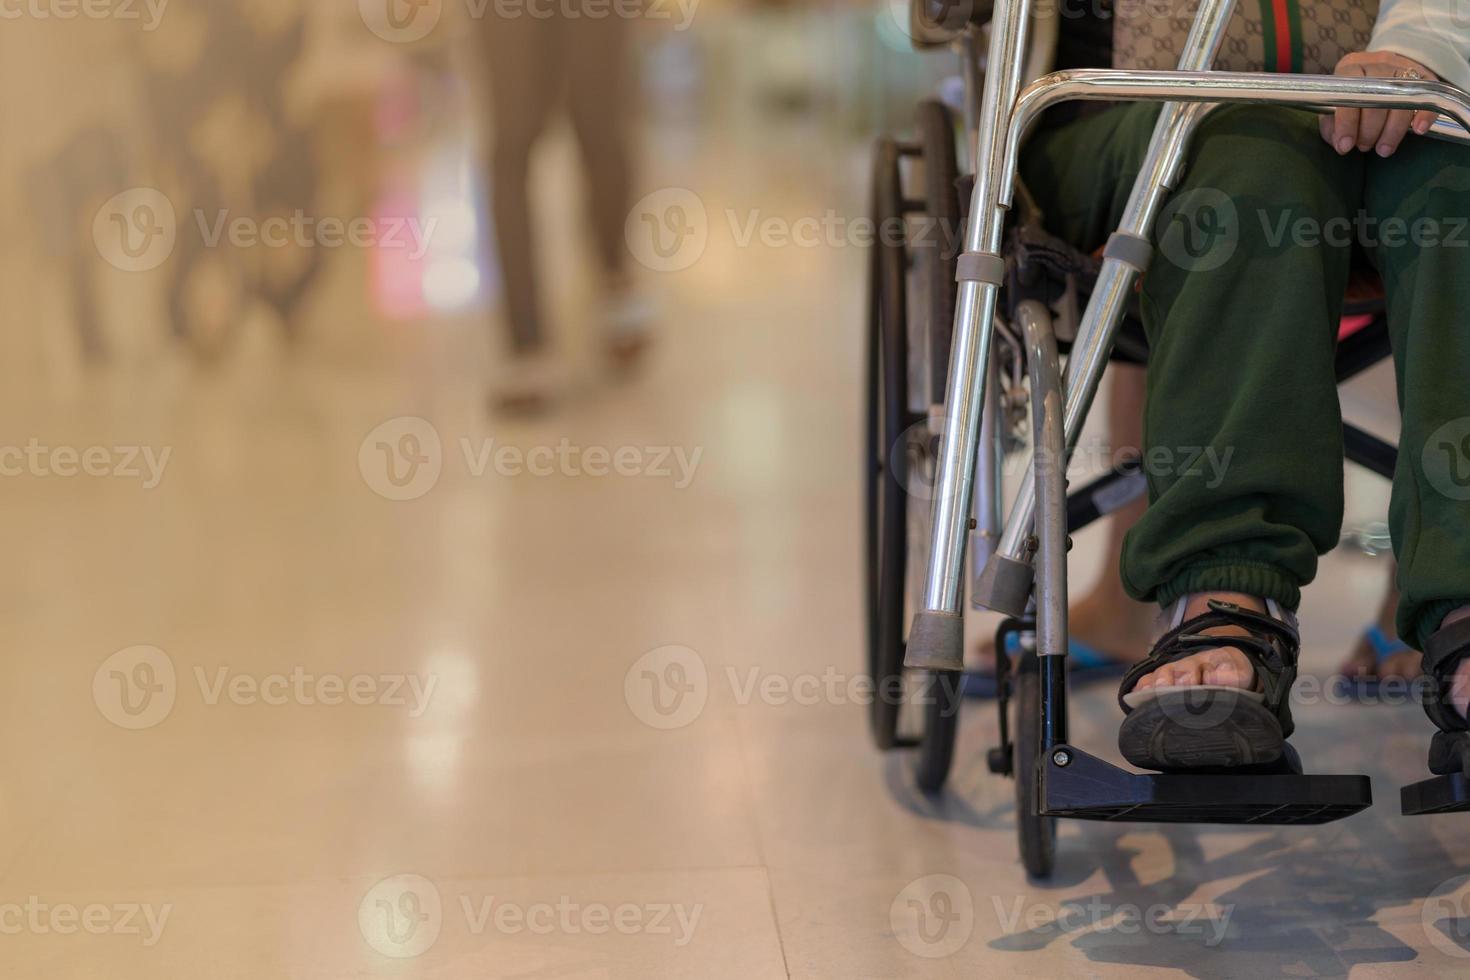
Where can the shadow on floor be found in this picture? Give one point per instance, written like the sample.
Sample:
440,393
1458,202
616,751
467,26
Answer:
1288,901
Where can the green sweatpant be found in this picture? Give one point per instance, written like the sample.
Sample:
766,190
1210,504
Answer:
1242,428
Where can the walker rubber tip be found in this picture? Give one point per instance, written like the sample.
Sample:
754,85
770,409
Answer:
936,642
1004,585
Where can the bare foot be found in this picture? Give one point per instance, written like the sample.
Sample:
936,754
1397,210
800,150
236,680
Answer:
1364,663
1225,666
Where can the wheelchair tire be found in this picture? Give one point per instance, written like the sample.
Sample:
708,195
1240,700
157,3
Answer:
943,236
941,725
888,417
1036,834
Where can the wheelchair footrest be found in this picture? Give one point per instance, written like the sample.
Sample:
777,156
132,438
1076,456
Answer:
1087,788
1438,794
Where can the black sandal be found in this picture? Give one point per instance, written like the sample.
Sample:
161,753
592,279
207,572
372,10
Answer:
1211,726
1449,752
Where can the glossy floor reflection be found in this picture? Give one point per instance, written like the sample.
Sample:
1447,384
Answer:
264,720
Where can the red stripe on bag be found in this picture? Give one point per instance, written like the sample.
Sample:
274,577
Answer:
1283,35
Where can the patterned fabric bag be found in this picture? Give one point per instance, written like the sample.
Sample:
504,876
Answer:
1298,36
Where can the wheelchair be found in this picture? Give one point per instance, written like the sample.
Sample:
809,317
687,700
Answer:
963,343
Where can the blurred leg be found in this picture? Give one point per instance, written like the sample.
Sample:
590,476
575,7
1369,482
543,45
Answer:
601,90
525,79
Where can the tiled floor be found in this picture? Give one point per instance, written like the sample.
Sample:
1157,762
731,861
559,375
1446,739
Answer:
216,762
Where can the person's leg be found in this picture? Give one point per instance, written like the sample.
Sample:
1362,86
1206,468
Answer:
1380,654
601,99
600,94
1080,173
522,55
1242,428
1107,618
1417,208
1242,433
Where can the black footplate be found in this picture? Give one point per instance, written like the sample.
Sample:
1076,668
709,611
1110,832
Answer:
1084,787
1439,794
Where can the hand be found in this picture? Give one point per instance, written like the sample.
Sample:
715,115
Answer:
1382,129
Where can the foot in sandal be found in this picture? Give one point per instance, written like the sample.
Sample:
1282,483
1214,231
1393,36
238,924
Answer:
1214,690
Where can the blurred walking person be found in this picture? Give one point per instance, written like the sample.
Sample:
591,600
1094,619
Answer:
572,55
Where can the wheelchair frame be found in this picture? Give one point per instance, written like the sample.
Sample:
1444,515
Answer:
1020,564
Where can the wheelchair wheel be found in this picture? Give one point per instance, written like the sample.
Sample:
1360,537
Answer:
888,418
937,249
941,236
941,723
1036,834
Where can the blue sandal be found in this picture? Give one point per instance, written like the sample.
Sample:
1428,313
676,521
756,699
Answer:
1384,646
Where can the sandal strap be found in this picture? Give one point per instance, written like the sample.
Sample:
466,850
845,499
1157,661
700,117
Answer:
1443,651
1271,646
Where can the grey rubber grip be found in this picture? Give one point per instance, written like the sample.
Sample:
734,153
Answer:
980,267
1130,249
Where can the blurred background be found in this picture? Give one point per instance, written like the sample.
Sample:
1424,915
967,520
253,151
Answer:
336,581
